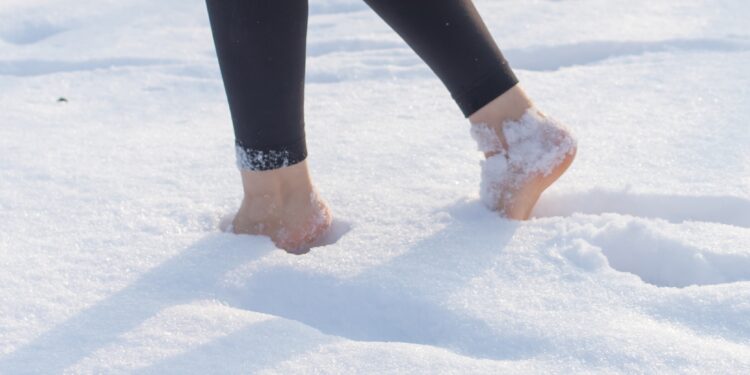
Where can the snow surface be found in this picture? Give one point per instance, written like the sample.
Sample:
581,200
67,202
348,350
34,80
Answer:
637,261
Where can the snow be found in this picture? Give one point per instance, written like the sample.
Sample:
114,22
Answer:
637,260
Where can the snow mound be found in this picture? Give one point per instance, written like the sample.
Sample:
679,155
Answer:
651,250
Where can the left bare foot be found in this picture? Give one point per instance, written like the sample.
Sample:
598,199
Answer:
283,205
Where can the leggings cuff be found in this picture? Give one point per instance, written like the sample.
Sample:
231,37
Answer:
486,89
268,158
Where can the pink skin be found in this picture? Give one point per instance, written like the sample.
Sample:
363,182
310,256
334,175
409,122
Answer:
283,204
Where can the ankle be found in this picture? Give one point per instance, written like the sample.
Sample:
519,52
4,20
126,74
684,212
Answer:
487,123
279,184
509,106
276,195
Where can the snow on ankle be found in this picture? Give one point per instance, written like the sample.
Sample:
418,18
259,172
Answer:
487,139
258,160
536,145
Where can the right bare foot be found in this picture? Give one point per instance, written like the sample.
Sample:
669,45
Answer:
525,153
535,151
283,205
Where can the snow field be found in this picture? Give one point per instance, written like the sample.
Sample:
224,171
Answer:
110,204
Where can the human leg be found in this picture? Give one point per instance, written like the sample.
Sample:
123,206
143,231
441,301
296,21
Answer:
260,45
452,39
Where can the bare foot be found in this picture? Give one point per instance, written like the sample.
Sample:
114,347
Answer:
283,205
538,152
525,152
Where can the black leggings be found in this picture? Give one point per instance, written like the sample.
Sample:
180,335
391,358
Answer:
261,50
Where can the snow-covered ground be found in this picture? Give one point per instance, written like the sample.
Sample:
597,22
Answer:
637,261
